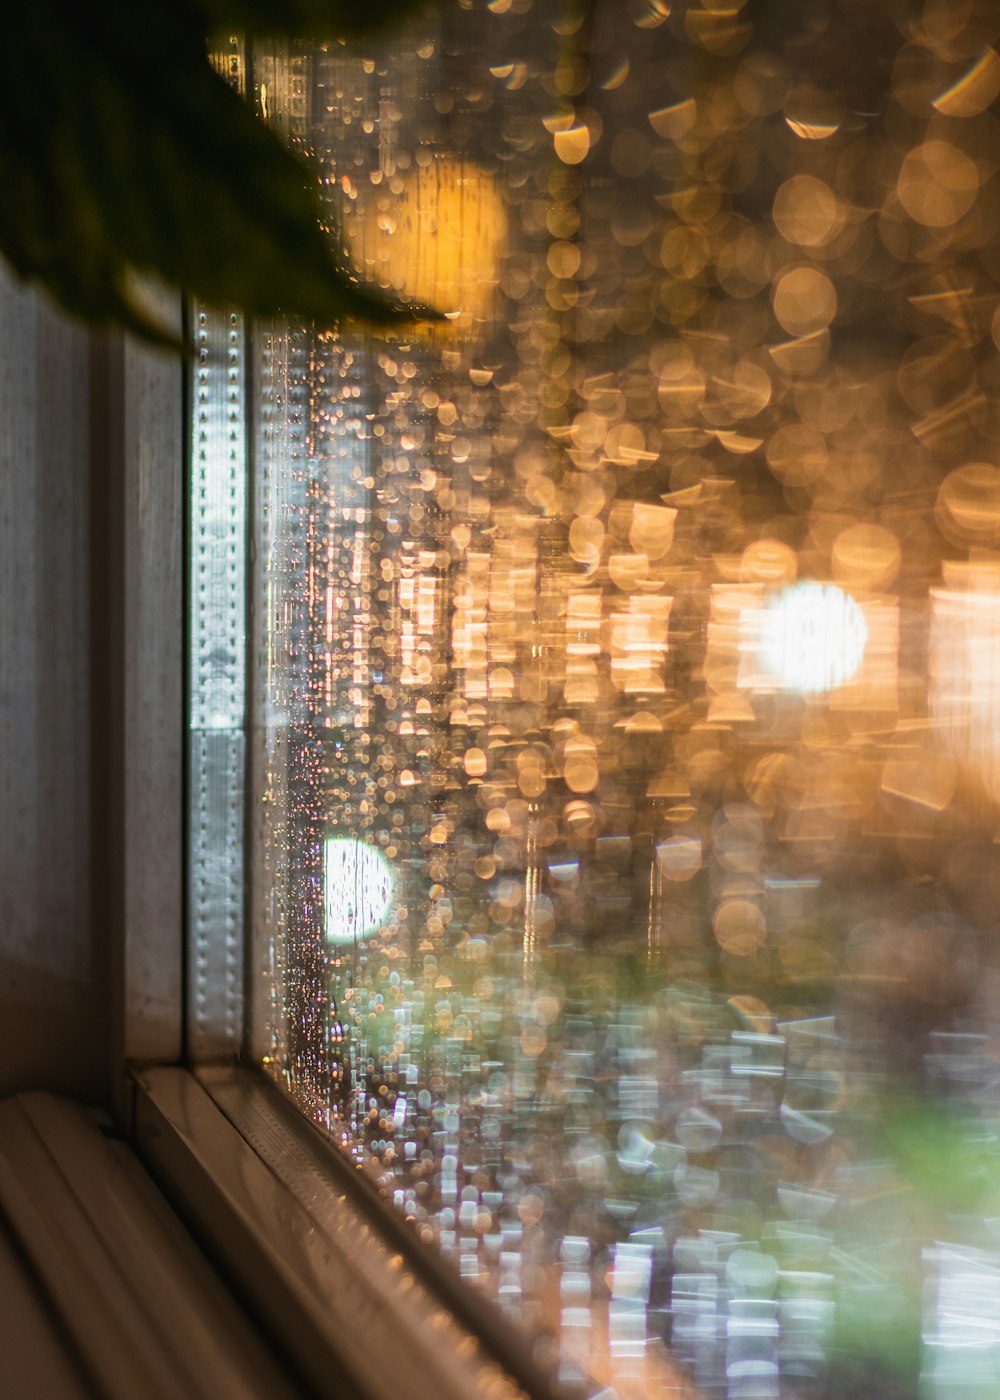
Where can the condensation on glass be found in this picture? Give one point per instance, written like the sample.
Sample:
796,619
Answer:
625,693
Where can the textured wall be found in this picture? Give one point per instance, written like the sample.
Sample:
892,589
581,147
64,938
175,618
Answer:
53,991
91,448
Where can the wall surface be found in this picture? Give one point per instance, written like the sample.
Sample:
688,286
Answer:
91,490
53,987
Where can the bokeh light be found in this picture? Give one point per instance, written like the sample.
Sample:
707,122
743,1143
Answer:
433,234
813,637
357,886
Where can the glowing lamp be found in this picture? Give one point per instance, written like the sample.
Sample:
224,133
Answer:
812,638
357,885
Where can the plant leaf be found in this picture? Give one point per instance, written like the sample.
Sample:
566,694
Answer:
341,19
122,150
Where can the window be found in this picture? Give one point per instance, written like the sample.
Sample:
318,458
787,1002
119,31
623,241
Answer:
621,695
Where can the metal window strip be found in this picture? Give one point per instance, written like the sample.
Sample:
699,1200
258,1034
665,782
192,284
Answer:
217,683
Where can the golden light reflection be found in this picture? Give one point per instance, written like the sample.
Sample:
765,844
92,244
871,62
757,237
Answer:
965,669
937,184
973,92
432,232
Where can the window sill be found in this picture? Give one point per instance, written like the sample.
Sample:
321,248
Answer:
105,1292
356,1305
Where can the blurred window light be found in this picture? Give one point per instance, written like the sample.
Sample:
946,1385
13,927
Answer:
812,638
357,883
961,1332
965,670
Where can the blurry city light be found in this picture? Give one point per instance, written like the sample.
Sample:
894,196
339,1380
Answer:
357,883
965,670
812,638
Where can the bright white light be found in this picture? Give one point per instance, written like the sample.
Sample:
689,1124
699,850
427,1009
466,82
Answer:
813,637
357,885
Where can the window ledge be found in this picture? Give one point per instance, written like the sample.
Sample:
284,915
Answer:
119,1300
324,1272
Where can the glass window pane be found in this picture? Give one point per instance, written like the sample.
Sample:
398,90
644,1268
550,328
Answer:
624,680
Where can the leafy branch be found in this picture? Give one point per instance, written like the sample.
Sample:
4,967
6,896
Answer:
123,152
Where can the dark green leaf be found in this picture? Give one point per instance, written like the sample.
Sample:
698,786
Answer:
122,150
340,19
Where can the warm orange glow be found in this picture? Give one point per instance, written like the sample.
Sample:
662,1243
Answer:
433,233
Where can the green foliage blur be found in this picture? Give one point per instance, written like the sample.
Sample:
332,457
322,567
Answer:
123,153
